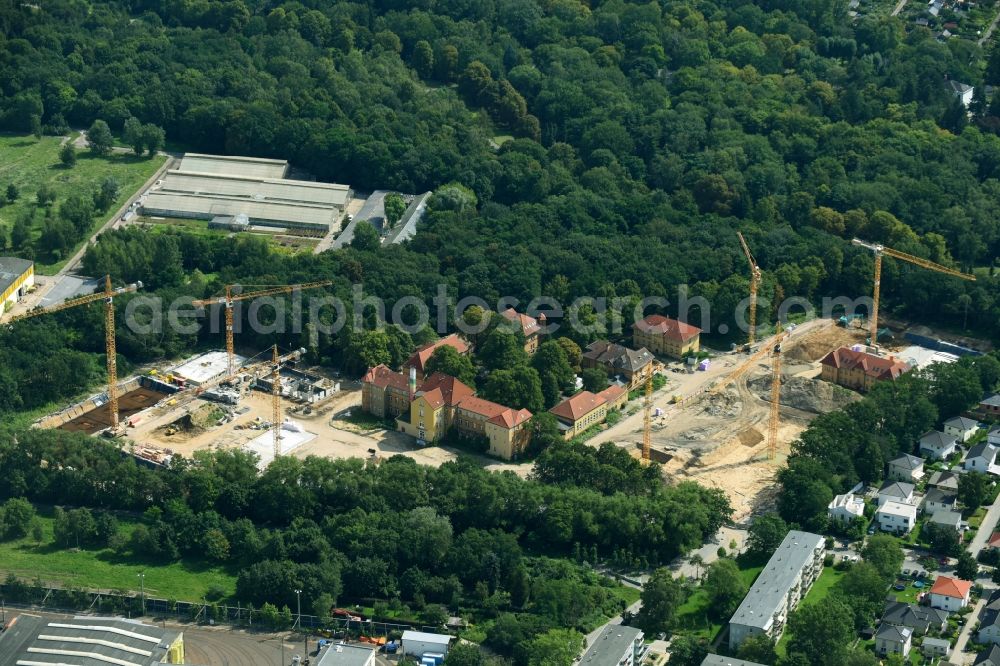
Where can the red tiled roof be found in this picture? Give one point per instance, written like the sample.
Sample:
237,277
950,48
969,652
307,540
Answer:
575,407
994,541
611,393
951,587
511,418
529,325
382,377
420,357
452,390
482,407
672,329
433,397
877,367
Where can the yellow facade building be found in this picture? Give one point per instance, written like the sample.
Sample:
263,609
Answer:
444,405
662,335
17,277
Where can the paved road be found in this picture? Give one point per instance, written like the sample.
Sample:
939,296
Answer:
963,637
709,552
899,7
989,30
985,529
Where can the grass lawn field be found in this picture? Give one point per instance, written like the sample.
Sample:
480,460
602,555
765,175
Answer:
103,569
816,594
692,615
27,162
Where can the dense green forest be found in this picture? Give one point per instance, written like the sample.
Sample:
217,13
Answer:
346,531
646,133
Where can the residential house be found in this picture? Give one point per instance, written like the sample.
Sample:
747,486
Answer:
585,409
989,623
890,639
530,327
896,491
384,393
662,335
935,648
920,619
936,500
994,540
785,580
937,445
961,427
845,508
988,657
418,360
859,370
989,408
946,518
993,436
907,468
633,366
950,594
946,480
982,458
616,645
896,517
961,91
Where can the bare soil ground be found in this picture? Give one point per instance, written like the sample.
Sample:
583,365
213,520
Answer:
335,438
720,440
128,404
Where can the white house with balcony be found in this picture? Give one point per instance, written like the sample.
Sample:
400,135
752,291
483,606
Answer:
845,508
896,517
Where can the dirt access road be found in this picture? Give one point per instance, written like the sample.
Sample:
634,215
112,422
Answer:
720,441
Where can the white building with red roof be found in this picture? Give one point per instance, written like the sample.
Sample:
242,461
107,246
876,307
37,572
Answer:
662,335
950,594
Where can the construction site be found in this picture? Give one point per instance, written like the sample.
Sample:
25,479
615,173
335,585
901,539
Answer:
732,424
728,421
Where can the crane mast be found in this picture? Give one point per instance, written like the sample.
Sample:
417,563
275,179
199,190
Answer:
276,402
879,251
754,286
110,347
775,413
230,299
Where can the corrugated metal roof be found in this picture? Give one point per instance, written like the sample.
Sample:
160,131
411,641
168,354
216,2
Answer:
12,268
207,207
271,189
235,166
90,641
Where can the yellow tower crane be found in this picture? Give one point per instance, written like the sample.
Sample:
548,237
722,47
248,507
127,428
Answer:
276,402
754,285
647,418
110,349
230,298
880,250
775,415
